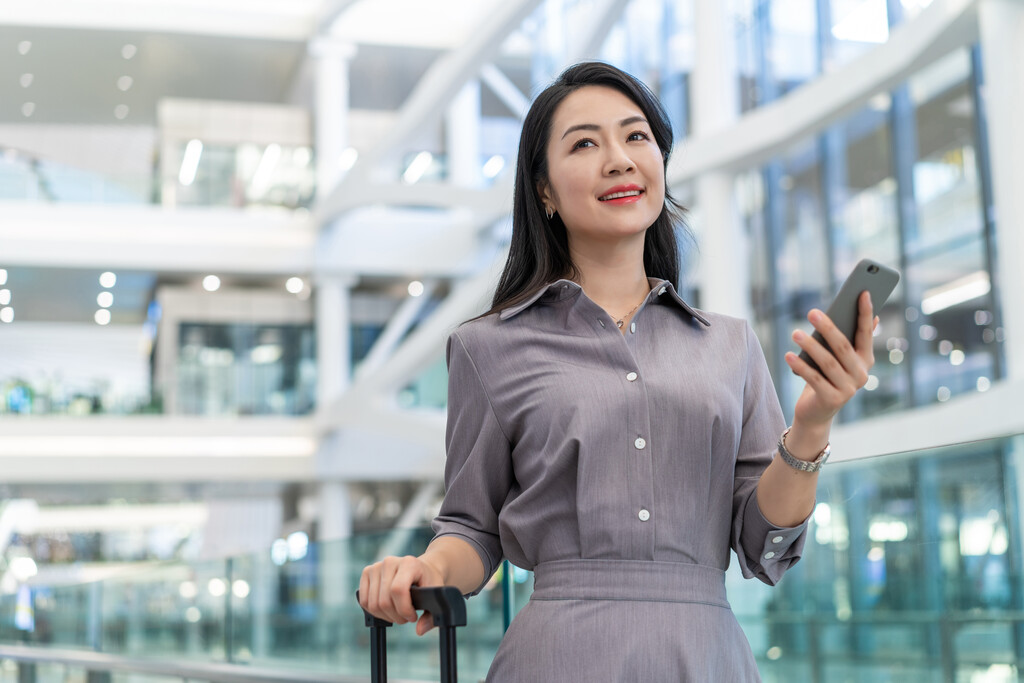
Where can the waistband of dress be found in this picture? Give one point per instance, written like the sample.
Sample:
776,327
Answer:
640,580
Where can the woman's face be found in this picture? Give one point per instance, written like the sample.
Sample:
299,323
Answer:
606,177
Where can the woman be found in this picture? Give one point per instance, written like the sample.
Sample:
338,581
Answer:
605,434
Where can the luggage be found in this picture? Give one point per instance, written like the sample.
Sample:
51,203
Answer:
448,608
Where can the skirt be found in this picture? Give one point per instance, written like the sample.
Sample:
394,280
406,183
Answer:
625,621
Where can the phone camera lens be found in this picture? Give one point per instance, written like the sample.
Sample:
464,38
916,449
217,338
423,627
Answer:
872,269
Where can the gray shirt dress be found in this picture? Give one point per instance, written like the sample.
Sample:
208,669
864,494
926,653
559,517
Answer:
620,468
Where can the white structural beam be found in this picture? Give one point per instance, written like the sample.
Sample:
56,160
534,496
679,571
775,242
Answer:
293,20
426,104
151,238
437,195
603,19
724,254
506,91
1002,46
971,417
397,326
138,448
421,348
770,130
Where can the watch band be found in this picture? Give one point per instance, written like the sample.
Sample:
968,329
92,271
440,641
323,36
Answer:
803,465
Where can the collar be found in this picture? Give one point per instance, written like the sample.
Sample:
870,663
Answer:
563,289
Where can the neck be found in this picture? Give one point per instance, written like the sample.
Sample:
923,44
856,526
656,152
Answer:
614,278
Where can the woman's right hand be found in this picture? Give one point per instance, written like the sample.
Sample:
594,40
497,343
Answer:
384,589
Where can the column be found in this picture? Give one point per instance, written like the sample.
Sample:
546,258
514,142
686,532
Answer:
333,338
1002,48
336,567
332,105
724,277
462,136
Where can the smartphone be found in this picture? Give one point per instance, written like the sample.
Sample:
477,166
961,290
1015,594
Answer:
867,275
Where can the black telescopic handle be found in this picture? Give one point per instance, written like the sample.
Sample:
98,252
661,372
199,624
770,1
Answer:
446,605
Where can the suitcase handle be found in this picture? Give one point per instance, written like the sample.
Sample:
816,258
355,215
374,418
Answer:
446,605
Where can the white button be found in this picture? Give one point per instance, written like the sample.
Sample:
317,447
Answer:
777,539
631,377
769,555
662,291
644,515
639,443
632,327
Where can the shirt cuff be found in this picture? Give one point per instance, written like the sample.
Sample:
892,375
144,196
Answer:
490,563
777,548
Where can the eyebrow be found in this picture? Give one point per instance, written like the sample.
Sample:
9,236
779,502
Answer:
593,126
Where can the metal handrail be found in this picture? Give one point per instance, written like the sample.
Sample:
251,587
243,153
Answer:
185,670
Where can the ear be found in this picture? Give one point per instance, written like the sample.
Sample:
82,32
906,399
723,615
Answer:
546,196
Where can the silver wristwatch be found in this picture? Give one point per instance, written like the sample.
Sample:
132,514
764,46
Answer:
803,465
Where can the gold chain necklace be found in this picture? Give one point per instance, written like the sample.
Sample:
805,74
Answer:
622,321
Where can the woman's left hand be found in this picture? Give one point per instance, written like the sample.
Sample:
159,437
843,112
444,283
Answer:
841,374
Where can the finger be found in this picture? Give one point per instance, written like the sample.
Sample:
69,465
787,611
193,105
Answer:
814,379
385,602
408,575
364,589
866,322
828,367
849,370
425,623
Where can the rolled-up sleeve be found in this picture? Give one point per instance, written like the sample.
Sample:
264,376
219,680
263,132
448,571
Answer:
478,469
763,550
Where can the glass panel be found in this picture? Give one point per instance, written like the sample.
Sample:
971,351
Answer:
246,369
776,47
793,57
866,226
801,261
911,568
950,302
244,175
856,26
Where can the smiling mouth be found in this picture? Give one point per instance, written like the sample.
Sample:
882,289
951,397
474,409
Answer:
621,195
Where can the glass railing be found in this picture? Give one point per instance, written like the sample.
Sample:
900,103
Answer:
912,570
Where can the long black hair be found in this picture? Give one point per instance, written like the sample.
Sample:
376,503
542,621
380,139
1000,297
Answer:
539,250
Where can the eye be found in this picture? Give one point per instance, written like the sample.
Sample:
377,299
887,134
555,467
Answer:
580,144
638,135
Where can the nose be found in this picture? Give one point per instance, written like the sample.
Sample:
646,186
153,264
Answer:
618,160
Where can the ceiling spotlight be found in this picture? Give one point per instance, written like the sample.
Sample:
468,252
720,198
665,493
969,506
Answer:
211,283
24,46
28,109
102,317
417,167
302,156
493,166
124,83
294,285
26,80
6,315
105,300
5,297
415,288
121,111
347,159
3,276
108,279
190,162
128,51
